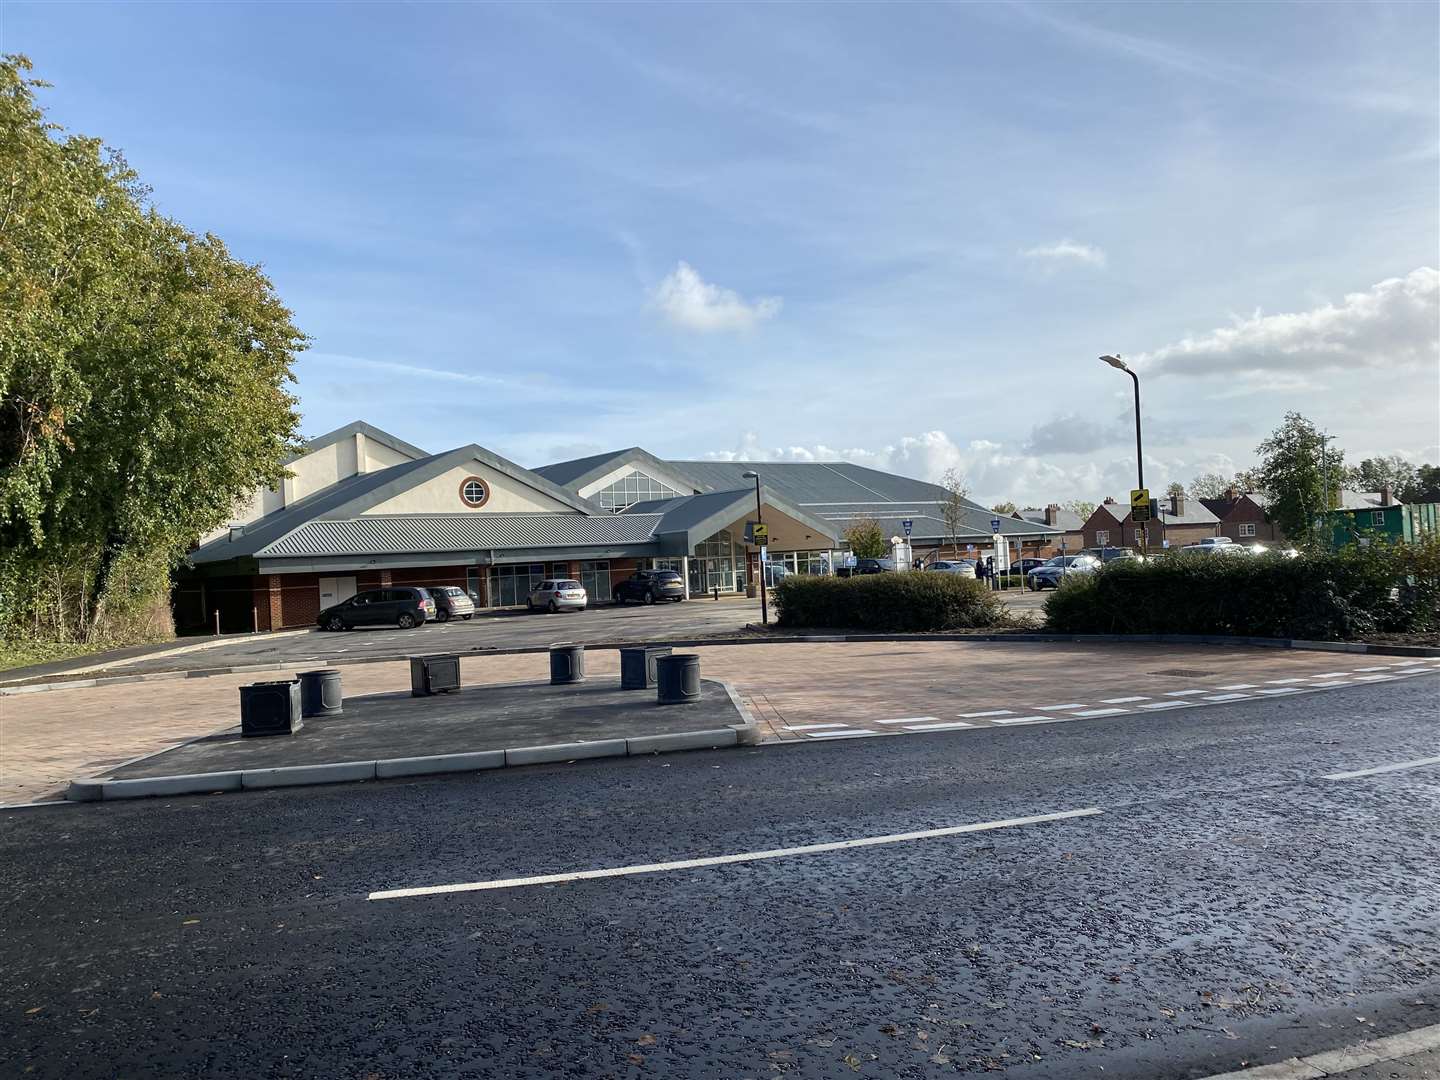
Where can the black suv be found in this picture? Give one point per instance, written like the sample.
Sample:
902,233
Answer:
647,586
402,606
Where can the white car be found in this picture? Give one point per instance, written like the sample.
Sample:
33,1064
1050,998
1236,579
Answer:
559,594
958,566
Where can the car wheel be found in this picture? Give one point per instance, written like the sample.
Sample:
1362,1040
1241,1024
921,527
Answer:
335,624
406,621
442,615
530,605
649,598
552,607
619,599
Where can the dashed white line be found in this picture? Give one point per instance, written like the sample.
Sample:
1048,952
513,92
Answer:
1373,678
855,733
1121,700
1230,697
1378,769
1382,667
724,860
911,720
1030,719
992,712
813,727
1238,686
1168,705
1052,708
1277,682
1280,690
1331,675
941,727
1182,693
1334,682
1101,712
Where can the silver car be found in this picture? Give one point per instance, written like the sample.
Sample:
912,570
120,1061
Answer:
963,567
559,594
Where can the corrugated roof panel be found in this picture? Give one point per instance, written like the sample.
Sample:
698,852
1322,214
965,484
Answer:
424,533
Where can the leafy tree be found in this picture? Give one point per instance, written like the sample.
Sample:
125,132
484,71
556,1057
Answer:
866,539
1176,488
143,377
1372,474
1425,487
954,506
1006,507
1082,508
1209,486
1301,476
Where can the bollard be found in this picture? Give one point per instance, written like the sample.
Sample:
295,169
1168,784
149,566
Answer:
320,693
677,679
637,666
567,664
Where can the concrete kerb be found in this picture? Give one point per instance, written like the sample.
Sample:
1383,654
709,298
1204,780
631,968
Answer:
763,637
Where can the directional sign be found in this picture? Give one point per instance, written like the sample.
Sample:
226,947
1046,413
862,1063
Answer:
1140,505
995,526
907,524
757,533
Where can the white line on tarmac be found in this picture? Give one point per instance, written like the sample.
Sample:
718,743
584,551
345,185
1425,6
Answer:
1121,700
812,727
1029,719
992,712
911,720
1101,712
1339,1062
1277,682
1227,697
1373,678
1334,682
1331,675
725,860
1281,690
1238,686
849,733
1052,708
941,727
1382,667
1378,769
1182,693
1168,705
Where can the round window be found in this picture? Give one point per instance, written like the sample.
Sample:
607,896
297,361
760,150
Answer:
474,492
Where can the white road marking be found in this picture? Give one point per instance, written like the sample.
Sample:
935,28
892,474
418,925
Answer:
1230,697
1277,682
1168,705
1182,693
1334,682
1101,712
1030,719
1281,690
813,727
1238,686
1342,1061
725,860
854,733
1373,678
1331,675
992,712
941,727
1382,667
1382,769
911,720
1052,708
1121,700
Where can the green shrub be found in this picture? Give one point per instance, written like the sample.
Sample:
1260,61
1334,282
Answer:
910,602
1335,596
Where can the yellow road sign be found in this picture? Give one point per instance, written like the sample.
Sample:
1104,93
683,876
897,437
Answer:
759,532
1140,505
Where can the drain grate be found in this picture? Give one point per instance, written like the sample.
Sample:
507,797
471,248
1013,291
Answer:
1182,672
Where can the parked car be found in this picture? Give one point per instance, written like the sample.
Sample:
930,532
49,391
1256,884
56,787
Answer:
558,594
1050,574
451,603
404,607
647,586
1024,566
871,566
963,567
1216,545
1109,554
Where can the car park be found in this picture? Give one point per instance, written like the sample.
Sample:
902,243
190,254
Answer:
451,603
963,567
1109,554
1050,574
1024,566
402,606
1216,545
557,594
648,586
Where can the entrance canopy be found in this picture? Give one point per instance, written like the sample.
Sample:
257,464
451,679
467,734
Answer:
692,519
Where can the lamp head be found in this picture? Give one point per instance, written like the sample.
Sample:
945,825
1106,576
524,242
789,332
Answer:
751,475
1115,362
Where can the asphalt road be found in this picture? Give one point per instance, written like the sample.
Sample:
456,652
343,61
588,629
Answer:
1227,906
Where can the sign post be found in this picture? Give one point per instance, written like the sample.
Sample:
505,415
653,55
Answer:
1140,515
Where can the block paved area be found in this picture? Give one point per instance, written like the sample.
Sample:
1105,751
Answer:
799,691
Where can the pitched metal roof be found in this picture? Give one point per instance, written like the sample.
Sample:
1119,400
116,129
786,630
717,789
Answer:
1067,520
319,442
424,533
813,483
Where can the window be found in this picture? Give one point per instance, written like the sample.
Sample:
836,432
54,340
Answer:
595,576
511,585
632,488
474,492
1247,528
1377,517
1102,537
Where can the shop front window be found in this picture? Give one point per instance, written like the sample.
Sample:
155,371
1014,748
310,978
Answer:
595,576
510,585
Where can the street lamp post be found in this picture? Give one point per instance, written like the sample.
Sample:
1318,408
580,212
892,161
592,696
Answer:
1120,365
760,555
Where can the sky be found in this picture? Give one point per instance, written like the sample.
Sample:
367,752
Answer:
897,234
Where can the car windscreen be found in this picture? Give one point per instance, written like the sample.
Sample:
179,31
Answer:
667,575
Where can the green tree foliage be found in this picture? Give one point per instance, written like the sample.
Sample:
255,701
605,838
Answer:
1425,487
143,376
1177,488
866,539
1003,508
1082,508
1301,476
1375,473
888,603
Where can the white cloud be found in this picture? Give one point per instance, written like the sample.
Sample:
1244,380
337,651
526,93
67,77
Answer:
692,303
1392,324
1066,251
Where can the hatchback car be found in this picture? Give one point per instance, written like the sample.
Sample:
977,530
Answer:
961,567
451,603
647,586
1050,574
558,594
403,607
870,566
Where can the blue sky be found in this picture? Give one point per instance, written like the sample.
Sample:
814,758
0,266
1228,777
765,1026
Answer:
899,234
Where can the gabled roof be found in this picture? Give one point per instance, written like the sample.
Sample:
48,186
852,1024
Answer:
701,516
581,471
358,427
818,483
1193,514
1066,520
354,495
1116,511
425,533
1363,500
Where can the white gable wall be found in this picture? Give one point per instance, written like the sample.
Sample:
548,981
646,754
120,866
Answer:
441,495
669,480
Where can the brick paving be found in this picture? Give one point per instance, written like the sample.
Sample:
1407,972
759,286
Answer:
795,691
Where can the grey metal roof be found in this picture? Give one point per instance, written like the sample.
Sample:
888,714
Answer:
319,442
812,483
581,471
1362,500
701,516
1194,513
929,524
418,533
1067,520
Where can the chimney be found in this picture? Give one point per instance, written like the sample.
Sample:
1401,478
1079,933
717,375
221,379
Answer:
1232,493
1387,495
1177,505
1052,514
1109,501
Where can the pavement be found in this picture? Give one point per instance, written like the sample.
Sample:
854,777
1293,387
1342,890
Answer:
797,691
1141,898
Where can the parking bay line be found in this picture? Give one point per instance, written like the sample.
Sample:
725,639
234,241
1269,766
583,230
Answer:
1052,708
725,860
1030,719
912,720
1121,700
992,712
812,727
1378,769
952,725
1101,712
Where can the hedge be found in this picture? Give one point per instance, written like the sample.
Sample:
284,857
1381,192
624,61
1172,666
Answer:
907,602
1330,596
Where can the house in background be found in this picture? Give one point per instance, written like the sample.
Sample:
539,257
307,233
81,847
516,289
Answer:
1071,537
1242,518
1379,514
1178,521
